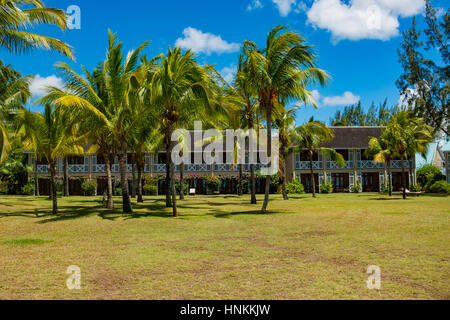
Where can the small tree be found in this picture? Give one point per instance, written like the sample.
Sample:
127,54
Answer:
310,137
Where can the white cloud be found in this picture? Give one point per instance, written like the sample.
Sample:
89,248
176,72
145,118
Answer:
285,6
347,98
208,43
39,84
255,4
315,95
362,19
228,73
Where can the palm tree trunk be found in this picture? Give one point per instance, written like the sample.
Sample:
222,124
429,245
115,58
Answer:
403,178
36,183
269,156
172,181
253,183
66,177
283,171
139,176
252,169
181,181
240,187
389,178
53,187
313,181
109,189
168,178
133,174
126,202
410,171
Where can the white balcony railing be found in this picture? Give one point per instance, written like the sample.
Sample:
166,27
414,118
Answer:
369,164
159,168
42,168
333,165
397,164
224,167
99,168
78,168
305,165
197,168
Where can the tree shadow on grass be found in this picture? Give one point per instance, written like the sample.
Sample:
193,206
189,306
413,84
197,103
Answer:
226,215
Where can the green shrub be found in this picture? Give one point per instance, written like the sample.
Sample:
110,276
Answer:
295,187
440,187
385,188
89,187
326,188
356,188
185,188
59,187
118,192
28,189
416,188
428,175
150,190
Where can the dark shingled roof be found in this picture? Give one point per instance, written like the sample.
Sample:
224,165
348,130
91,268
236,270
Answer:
353,137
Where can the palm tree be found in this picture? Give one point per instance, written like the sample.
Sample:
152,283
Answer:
246,98
310,137
51,135
382,152
105,97
180,87
407,135
14,94
14,23
285,123
281,71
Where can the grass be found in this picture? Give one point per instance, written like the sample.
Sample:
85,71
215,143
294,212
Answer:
222,248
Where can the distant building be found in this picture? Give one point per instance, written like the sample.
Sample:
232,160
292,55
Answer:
435,156
351,142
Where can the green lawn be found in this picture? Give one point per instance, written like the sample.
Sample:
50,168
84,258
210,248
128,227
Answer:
222,248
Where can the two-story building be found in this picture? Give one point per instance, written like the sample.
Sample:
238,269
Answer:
351,142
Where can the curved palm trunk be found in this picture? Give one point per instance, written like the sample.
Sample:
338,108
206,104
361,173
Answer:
109,189
313,181
126,202
140,169
66,177
53,187
403,178
133,174
269,156
181,181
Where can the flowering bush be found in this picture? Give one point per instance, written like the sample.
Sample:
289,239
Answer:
89,187
213,182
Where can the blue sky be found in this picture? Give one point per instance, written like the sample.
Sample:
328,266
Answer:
356,41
